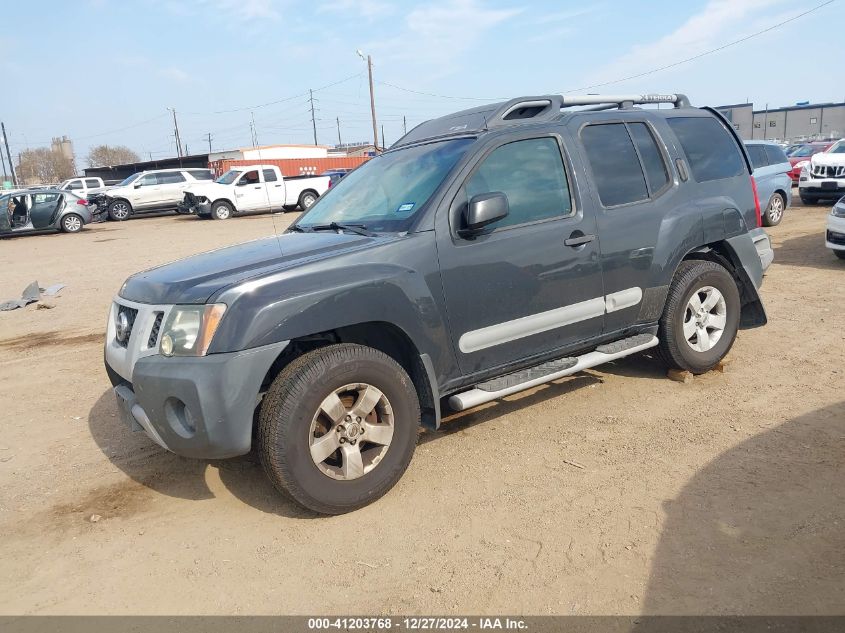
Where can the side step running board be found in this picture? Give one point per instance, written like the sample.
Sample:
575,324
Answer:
519,381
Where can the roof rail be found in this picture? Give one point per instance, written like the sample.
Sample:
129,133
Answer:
678,100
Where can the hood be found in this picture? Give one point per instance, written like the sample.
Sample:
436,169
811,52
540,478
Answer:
196,278
826,158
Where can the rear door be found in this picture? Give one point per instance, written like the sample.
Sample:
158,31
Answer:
45,209
517,289
633,188
274,188
171,190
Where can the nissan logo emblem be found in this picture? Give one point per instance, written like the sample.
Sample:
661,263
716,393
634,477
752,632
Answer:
122,327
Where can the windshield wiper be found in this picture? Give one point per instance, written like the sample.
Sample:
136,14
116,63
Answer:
358,229
296,229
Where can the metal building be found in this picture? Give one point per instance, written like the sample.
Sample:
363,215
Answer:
793,123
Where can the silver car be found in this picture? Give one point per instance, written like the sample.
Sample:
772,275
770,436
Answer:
43,210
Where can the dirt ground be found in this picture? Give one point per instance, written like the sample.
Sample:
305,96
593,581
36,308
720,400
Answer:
615,491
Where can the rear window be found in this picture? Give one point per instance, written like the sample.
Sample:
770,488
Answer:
616,168
711,151
775,155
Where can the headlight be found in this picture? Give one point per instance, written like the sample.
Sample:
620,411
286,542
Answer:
838,209
189,329
801,164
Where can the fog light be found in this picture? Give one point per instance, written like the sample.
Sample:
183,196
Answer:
167,345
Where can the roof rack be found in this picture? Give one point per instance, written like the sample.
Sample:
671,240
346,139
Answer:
527,109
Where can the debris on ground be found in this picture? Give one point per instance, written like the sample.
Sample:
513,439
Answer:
94,518
679,375
32,294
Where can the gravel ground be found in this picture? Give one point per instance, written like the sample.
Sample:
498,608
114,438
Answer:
616,491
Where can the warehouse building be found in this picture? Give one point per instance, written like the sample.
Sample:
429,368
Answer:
792,123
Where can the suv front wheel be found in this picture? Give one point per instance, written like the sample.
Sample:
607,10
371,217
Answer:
338,427
701,317
120,210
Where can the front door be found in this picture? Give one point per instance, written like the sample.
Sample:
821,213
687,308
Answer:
147,192
531,282
249,192
6,210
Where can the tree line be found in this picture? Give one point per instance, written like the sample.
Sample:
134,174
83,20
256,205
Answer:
44,165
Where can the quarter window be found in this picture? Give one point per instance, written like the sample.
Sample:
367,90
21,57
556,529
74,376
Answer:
531,174
616,169
711,151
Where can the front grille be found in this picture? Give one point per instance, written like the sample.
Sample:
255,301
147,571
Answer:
151,342
836,238
829,171
122,335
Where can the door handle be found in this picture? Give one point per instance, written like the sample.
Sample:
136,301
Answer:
257,187
577,239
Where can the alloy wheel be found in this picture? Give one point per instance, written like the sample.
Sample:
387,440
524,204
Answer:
705,318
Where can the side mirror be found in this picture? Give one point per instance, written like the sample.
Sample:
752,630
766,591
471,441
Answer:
137,184
240,183
484,209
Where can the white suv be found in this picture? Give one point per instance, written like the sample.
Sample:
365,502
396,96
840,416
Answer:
824,176
159,190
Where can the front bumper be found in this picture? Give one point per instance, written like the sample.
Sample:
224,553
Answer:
835,233
199,208
821,188
196,407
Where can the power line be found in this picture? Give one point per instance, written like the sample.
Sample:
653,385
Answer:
705,53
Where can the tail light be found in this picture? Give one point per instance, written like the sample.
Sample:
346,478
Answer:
757,211
84,203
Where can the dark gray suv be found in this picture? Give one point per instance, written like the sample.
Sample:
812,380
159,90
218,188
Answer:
486,252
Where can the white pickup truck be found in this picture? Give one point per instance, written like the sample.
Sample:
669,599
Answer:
252,188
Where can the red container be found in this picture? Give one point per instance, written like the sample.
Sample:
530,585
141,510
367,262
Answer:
292,166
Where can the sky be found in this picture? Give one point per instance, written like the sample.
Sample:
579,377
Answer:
106,71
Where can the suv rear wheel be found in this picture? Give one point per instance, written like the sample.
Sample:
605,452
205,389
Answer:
338,427
701,317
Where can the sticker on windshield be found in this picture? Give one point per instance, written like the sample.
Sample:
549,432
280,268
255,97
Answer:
405,208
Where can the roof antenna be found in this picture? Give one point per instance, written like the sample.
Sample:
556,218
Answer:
485,122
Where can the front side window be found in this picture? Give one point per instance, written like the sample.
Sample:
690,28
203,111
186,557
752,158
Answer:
616,168
837,148
249,178
531,174
711,151
201,174
74,185
148,180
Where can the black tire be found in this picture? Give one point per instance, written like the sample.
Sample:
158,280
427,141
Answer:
691,277
221,210
839,254
307,199
120,210
773,214
72,223
290,405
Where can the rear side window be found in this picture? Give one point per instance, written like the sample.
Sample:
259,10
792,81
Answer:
269,175
653,165
90,182
616,169
530,173
711,151
201,174
170,177
758,155
775,155
74,184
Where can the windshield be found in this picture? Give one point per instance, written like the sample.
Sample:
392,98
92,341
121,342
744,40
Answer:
386,193
806,150
229,177
837,148
125,182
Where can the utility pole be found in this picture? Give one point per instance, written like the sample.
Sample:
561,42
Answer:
313,120
339,141
373,103
209,142
383,145
404,124
176,132
253,132
9,154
